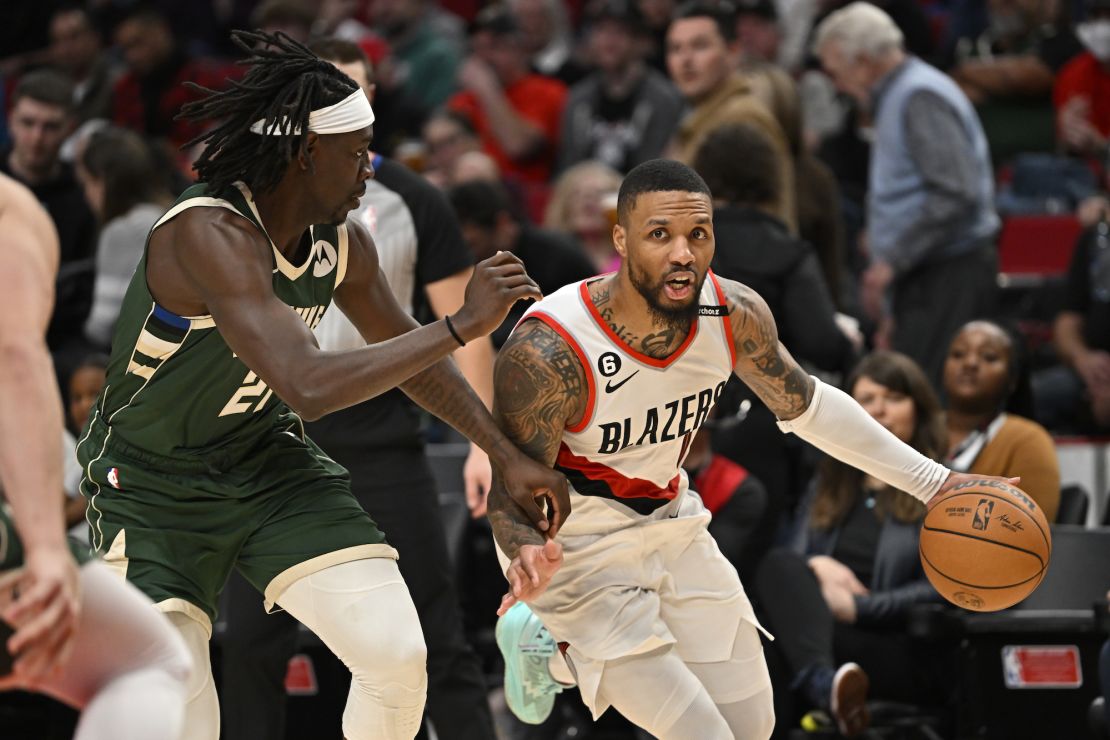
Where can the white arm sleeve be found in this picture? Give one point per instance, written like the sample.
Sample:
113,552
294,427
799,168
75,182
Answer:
836,424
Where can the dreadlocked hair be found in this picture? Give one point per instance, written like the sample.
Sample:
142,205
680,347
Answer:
285,82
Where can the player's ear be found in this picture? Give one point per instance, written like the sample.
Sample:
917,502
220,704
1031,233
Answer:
618,240
307,154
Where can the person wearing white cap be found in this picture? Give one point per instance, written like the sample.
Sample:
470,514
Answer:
196,460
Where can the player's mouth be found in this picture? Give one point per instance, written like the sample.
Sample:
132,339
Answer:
679,287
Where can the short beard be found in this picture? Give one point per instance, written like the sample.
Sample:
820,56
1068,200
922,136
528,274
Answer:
678,318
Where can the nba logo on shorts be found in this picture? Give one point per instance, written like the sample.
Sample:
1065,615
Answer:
113,478
982,514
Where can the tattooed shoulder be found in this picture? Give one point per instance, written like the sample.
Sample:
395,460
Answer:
761,360
539,387
749,315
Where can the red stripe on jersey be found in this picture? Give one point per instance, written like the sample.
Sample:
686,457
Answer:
727,319
591,396
619,484
620,343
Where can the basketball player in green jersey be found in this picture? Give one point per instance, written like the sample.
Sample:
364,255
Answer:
80,634
195,457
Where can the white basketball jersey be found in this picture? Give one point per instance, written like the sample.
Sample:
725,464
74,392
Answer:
624,457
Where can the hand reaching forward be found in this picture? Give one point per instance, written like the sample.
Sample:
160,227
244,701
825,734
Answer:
530,484
530,572
42,602
954,479
498,282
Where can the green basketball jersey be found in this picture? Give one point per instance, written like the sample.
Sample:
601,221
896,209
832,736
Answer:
174,388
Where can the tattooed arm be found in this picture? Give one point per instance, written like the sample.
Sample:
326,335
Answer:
824,416
761,360
539,386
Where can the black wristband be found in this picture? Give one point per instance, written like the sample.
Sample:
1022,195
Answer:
455,334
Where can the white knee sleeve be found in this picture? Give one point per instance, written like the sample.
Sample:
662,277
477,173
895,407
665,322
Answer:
753,718
202,707
659,693
363,612
129,667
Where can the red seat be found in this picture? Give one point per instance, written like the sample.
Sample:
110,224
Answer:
1036,246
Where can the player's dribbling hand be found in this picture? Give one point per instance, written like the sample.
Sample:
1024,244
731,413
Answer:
954,479
530,572
42,602
530,484
497,283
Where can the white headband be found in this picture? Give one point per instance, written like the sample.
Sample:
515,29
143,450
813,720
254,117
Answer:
353,113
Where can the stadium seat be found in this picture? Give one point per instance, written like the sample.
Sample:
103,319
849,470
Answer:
1074,503
1030,672
1033,248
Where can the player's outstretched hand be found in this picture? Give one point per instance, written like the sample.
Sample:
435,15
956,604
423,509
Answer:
530,484
530,572
497,283
42,602
954,479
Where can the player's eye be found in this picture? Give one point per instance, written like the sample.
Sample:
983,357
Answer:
700,234
659,234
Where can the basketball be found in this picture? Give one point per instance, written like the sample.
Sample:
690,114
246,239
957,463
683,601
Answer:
985,545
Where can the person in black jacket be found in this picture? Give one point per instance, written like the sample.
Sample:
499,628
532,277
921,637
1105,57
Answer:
489,225
840,595
754,247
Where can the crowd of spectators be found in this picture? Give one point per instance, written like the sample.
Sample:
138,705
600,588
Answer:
864,159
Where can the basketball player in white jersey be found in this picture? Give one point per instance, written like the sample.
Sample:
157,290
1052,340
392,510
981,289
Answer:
608,380
81,634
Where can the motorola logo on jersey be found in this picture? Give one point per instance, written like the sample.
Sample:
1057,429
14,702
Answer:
326,258
660,423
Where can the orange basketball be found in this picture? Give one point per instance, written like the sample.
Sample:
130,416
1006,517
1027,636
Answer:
985,545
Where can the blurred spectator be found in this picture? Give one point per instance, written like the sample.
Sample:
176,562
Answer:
294,18
448,135
515,112
815,189
795,25
488,226
625,112
1082,91
397,119
151,92
930,212
84,386
908,15
656,17
1009,70
989,399
755,248
548,38
1075,396
426,62
126,191
842,593
583,205
475,166
702,57
40,118
337,18
76,49
757,31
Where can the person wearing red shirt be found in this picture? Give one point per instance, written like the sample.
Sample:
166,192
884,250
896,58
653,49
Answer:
1082,92
149,95
515,112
